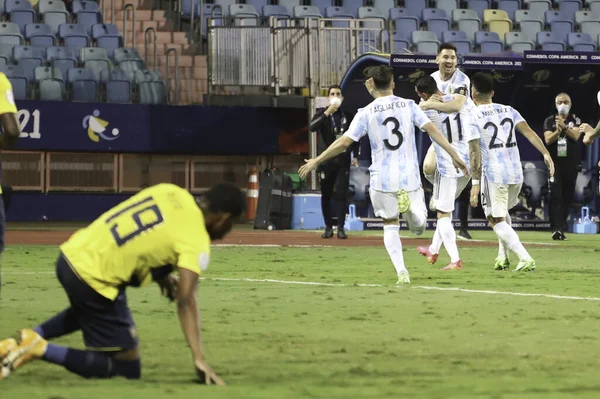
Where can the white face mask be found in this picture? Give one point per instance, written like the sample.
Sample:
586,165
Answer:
563,109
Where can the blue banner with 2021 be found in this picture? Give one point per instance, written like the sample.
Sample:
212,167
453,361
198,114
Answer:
133,128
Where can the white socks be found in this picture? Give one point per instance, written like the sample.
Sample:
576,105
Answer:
506,234
393,245
502,247
444,225
436,243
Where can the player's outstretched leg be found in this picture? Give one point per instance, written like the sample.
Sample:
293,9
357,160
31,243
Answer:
416,214
503,260
444,224
393,245
510,238
85,363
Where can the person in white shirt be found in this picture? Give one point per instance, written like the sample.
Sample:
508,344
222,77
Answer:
501,167
455,83
390,121
448,184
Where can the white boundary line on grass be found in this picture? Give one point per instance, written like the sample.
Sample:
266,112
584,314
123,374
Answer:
316,283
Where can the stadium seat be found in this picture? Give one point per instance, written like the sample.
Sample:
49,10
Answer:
18,78
54,20
83,85
340,13
524,15
491,47
539,7
243,15
550,41
583,16
479,6
452,35
592,28
384,6
46,6
562,29
483,36
428,47
436,21
151,87
276,11
415,7
519,41
6,53
425,42
580,42
510,7
27,67
224,5
460,14
551,16
20,52
39,35
10,33
399,46
290,4
83,5
107,36
470,27
397,13
307,12
12,5
51,90
374,14
405,27
495,15
118,85
447,5
73,36
569,7
462,46
595,7
321,5
531,28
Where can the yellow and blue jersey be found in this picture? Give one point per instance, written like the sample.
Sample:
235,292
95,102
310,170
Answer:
7,100
161,225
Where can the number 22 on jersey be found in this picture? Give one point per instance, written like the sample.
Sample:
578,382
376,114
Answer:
134,220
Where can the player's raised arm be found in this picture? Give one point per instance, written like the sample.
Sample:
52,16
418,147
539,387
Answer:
8,115
536,141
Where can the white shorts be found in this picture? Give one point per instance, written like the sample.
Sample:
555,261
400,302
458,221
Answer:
498,199
446,190
385,204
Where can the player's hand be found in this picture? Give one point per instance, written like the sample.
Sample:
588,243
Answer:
459,164
169,287
549,164
308,167
560,124
436,98
474,199
587,139
425,105
206,374
585,128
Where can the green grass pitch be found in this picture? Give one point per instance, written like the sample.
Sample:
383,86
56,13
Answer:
338,338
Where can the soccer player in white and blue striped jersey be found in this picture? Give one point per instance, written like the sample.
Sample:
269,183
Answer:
390,121
448,184
501,167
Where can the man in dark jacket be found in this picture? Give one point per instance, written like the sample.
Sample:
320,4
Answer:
331,123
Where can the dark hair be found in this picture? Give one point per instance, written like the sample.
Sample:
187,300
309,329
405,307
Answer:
483,83
447,46
333,87
427,85
382,75
226,197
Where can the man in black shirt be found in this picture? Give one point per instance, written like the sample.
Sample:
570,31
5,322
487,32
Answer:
331,123
561,135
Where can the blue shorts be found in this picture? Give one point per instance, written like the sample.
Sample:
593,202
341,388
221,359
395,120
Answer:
106,325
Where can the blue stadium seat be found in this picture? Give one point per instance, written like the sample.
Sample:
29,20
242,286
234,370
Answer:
257,4
27,67
519,41
83,85
107,36
290,4
54,20
87,19
452,35
491,47
39,35
479,6
186,9
510,6
569,7
550,41
436,20
592,28
352,4
373,14
384,6
551,16
399,46
18,78
462,46
82,5
73,36
151,87
341,13
321,5
415,7
530,28
484,36
6,53
460,14
580,42
405,27
118,85
20,52
447,5
277,11
561,29
22,18
539,7
46,6
470,27
397,13
427,47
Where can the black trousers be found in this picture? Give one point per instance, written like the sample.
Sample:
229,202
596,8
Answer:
561,195
335,180
463,206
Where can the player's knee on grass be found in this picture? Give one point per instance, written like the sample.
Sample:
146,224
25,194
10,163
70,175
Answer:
130,369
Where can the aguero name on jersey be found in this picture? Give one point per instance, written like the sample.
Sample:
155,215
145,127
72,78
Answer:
390,123
457,129
159,228
501,162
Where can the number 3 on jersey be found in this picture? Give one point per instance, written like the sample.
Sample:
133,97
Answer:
135,219
395,132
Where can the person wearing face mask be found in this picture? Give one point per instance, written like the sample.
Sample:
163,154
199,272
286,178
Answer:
561,135
331,123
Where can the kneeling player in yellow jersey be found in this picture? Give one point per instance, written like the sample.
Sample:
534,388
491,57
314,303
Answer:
160,229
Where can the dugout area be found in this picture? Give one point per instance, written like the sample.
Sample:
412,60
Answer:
529,82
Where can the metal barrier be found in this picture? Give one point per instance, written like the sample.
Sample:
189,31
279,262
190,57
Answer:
155,45
240,55
126,7
174,51
311,53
